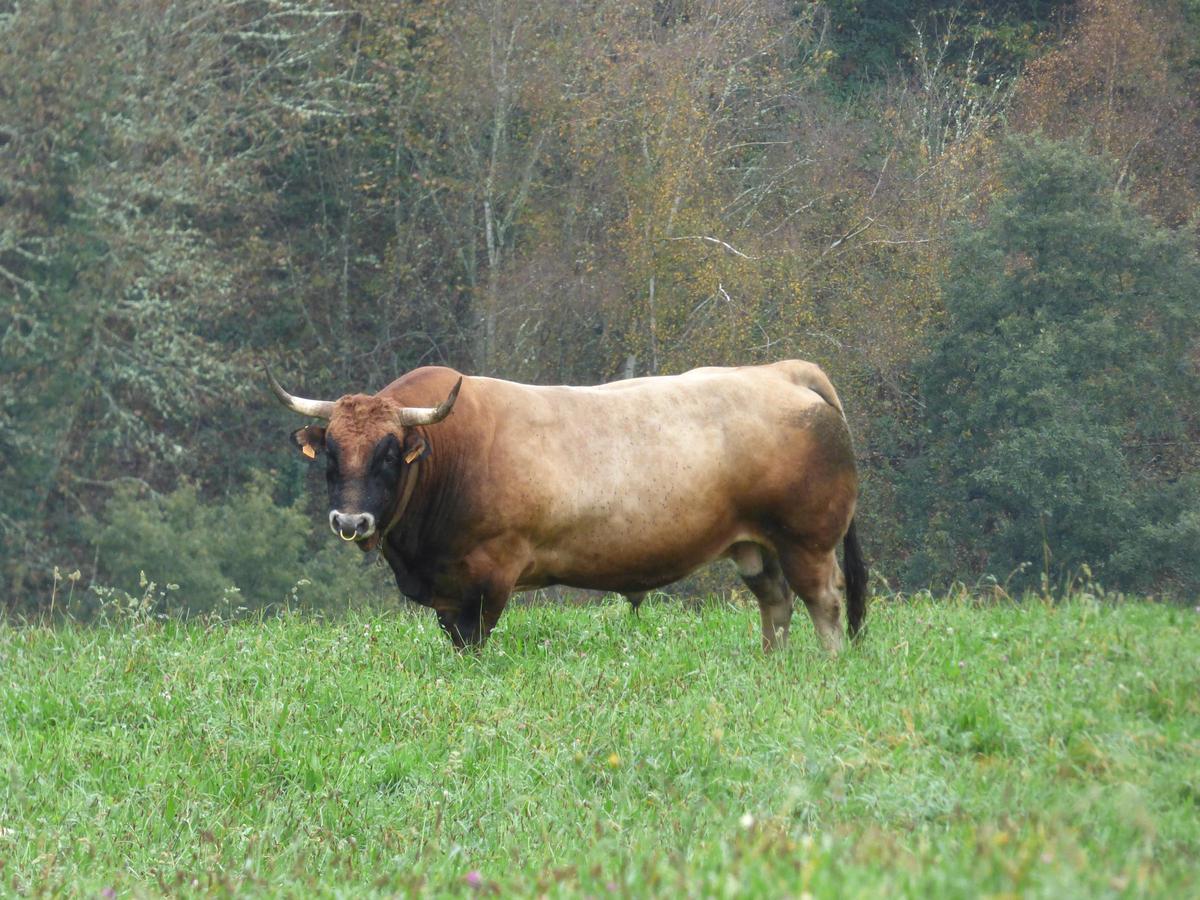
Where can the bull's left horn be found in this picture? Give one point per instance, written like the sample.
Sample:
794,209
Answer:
318,409
429,415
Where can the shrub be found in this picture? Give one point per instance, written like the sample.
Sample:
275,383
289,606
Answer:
242,550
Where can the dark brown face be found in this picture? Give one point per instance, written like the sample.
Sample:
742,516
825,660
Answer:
362,493
366,453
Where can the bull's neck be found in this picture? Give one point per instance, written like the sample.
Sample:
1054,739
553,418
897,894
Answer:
404,494
424,520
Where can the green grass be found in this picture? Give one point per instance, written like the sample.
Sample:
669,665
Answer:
960,750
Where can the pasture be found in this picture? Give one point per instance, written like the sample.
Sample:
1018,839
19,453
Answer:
961,750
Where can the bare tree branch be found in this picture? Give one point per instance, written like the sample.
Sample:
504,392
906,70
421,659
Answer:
712,240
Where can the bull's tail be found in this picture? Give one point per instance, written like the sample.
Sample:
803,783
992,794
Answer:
855,570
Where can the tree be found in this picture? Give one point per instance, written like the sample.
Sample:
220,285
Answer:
875,38
1127,78
1062,398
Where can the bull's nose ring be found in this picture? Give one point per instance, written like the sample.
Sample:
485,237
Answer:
347,535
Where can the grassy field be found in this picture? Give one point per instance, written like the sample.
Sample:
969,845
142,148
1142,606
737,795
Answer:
960,750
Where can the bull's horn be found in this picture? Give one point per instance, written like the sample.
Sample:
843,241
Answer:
429,415
318,409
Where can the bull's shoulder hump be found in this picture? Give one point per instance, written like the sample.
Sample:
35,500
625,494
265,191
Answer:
431,380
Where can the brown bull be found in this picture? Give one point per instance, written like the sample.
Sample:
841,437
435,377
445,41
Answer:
623,487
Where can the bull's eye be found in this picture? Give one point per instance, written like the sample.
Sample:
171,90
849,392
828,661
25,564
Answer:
387,455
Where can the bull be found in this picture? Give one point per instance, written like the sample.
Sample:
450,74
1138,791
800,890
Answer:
475,488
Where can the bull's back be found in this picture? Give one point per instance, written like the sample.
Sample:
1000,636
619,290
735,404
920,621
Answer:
648,478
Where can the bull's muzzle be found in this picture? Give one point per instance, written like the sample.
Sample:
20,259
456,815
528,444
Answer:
352,526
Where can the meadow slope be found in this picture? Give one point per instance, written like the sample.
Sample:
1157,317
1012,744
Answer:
1043,750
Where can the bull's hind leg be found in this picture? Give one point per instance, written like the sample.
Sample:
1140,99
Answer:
759,569
815,576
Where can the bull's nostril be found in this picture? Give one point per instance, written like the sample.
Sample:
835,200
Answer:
351,526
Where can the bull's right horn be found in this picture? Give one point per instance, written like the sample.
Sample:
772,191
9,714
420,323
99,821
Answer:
318,409
429,415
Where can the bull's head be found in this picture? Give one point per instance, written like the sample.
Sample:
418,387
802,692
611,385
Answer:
368,443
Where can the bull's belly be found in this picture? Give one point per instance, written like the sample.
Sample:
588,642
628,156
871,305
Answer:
627,582
622,583
626,563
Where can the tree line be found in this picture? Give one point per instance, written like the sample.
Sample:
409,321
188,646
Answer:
978,217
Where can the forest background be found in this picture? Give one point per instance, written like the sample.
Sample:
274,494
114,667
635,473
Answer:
979,217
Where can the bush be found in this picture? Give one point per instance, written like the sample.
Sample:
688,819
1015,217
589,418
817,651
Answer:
245,550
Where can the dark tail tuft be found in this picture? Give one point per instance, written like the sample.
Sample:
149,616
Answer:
855,570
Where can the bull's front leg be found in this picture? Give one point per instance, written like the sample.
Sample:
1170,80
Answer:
469,623
483,583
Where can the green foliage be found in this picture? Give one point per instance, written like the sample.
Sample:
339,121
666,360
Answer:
245,551
1062,395
1043,750
125,164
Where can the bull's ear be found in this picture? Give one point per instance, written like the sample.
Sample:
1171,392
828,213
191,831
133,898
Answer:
414,447
310,439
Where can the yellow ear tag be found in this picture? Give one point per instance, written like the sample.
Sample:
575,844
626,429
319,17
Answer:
413,454
308,451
